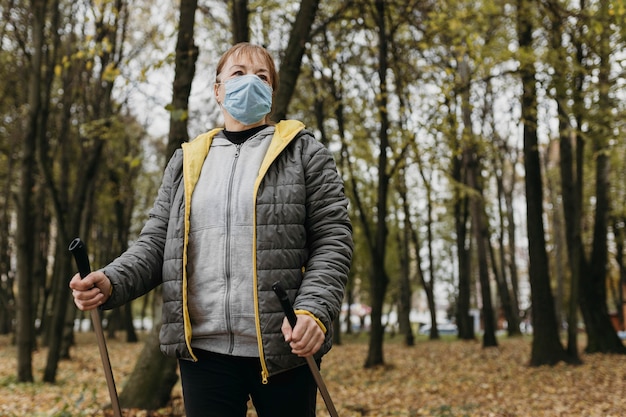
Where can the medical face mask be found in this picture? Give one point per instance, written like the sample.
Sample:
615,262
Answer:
248,99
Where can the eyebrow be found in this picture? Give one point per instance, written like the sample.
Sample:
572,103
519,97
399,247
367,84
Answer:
238,66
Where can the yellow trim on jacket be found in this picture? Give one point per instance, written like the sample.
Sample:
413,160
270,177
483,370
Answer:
318,321
194,154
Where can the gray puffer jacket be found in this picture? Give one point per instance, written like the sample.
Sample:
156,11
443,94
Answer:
303,238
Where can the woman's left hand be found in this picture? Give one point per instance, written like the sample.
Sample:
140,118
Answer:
306,338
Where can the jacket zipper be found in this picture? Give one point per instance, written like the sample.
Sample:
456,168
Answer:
229,327
255,284
264,371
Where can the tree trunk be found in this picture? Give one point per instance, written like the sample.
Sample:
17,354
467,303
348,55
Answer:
464,320
504,292
239,21
378,289
185,70
508,296
292,60
129,326
620,240
481,238
601,336
404,298
512,246
7,308
572,209
559,265
546,346
337,332
25,329
123,208
378,276
571,187
429,284
480,231
149,386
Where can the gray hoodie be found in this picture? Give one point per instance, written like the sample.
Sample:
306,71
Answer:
221,296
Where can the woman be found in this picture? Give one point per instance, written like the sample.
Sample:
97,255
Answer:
240,208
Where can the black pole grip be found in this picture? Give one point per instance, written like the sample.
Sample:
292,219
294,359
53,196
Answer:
78,249
285,303
291,316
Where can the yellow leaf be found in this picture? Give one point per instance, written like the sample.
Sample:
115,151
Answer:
110,73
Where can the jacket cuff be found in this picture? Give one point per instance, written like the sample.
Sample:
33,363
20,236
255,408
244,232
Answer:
111,301
318,321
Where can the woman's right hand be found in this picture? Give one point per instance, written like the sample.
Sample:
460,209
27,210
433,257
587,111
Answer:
91,291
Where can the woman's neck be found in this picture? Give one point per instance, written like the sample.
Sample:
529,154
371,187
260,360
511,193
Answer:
233,125
240,136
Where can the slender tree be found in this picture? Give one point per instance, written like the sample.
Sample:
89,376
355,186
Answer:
601,335
184,72
428,284
481,242
239,20
501,158
25,329
291,60
546,346
480,230
9,97
405,291
505,175
571,185
465,323
588,271
378,276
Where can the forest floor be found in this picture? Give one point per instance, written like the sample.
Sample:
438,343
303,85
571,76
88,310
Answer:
443,378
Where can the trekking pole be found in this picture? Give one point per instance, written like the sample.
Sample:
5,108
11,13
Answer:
77,247
317,376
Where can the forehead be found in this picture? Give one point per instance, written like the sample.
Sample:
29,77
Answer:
247,59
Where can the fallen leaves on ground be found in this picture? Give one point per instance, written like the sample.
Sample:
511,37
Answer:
433,378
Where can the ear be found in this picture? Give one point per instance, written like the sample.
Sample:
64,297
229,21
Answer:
216,92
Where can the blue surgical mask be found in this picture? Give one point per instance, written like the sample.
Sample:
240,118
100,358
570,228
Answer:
248,98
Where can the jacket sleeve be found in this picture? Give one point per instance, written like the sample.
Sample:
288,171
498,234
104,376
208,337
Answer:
139,269
329,236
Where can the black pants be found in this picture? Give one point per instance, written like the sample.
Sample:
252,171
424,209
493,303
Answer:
220,385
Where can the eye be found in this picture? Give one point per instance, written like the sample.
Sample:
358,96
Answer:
265,79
